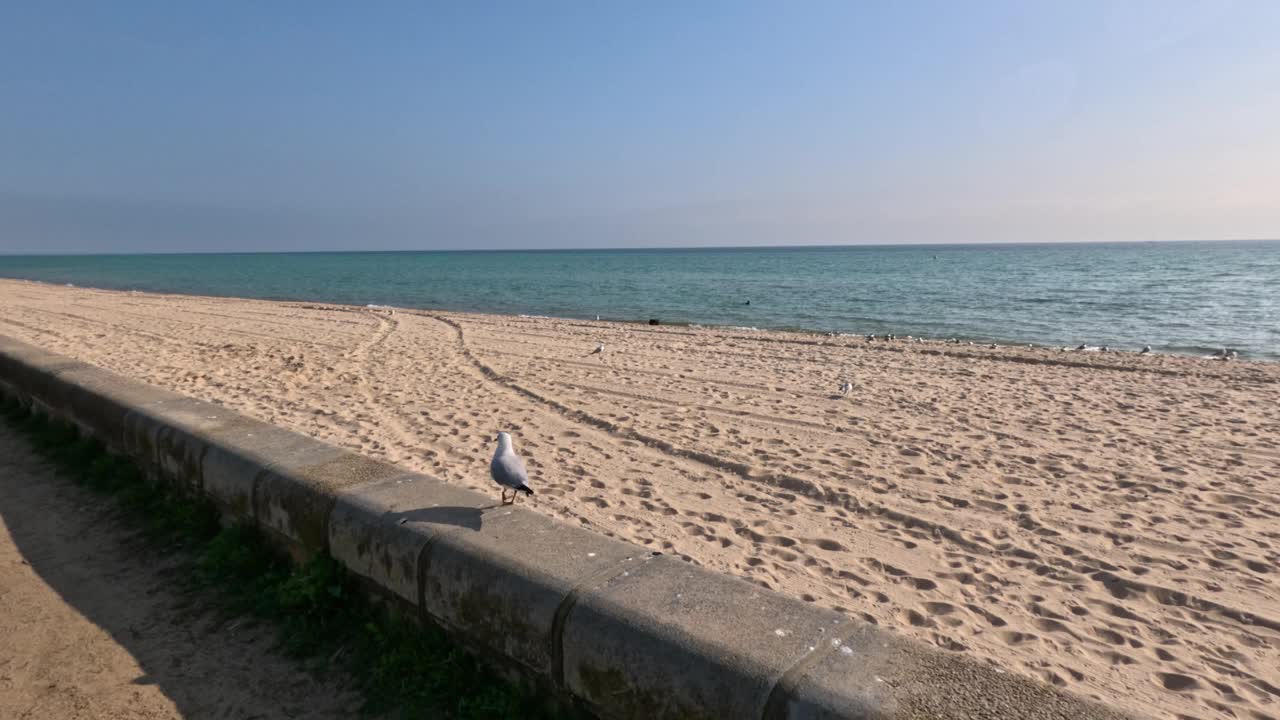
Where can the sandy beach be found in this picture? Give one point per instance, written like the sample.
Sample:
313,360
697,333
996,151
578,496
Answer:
1106,522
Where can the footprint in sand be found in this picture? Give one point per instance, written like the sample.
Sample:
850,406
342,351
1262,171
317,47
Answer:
1177,682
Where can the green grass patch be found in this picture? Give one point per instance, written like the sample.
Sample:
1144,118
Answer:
403,670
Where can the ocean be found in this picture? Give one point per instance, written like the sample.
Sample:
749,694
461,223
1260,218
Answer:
1186,297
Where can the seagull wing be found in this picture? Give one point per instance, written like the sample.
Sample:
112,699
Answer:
508,471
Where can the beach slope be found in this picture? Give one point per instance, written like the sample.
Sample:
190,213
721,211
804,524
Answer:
1106,522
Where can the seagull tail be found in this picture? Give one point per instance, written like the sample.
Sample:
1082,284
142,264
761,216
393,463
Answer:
525,489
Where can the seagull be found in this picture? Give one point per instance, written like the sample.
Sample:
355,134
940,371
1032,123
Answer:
1145,349
599,349
846,387
508,471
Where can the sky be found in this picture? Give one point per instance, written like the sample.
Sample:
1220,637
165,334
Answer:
232,126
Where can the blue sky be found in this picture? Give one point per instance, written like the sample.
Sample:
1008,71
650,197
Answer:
292,126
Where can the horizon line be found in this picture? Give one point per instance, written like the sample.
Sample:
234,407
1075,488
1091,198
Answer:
811,246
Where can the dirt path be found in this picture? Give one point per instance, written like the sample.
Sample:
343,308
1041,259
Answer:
92,626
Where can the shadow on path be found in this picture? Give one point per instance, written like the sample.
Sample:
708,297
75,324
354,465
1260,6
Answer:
95,625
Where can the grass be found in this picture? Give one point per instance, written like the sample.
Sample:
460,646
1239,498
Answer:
403,670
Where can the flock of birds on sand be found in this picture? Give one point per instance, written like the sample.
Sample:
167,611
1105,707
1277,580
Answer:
1222,354
509,473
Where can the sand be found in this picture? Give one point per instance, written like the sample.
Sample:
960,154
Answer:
1106,522
94,626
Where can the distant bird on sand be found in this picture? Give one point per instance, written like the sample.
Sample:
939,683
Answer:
508,471
846,387
599,349
1145,349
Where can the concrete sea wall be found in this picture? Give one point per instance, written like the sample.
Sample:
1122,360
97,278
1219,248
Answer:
613,627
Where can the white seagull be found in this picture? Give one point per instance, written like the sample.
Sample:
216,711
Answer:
599,349
846,387
508,471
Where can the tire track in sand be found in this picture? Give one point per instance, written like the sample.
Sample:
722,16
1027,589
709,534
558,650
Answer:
364,376
844,499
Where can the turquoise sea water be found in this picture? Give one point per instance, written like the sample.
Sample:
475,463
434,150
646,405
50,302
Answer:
1177,297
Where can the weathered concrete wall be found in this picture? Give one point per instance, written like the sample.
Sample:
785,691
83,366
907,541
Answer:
625,632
